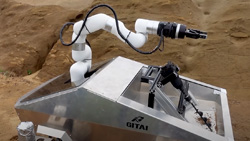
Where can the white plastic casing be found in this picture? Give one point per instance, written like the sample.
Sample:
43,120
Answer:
83,64
105,22
82,55
77,71
146,26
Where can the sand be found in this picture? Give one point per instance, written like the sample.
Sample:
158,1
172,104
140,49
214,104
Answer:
29,45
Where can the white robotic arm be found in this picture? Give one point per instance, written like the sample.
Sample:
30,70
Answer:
82,54
105,22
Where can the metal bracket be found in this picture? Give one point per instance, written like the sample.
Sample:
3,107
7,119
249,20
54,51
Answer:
53,132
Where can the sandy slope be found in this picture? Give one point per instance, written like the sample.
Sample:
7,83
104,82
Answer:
69,4
222,60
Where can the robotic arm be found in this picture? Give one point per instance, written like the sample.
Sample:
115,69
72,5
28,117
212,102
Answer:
105,22
82,54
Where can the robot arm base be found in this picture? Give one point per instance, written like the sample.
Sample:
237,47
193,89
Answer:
77,72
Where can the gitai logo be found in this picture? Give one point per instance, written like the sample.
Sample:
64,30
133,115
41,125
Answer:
135,123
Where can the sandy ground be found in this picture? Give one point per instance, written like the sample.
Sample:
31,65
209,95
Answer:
29,44
69,4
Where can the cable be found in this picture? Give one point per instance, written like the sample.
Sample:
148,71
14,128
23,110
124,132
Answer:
61,31
117,27
162,42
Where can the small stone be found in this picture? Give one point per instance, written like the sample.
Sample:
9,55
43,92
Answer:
239,35
52,55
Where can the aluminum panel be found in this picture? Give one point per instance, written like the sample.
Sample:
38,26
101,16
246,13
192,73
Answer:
114,78
79,110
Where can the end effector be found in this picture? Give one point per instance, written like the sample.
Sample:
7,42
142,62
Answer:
168,29
175,30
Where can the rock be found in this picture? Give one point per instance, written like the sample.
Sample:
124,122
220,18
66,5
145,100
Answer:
239,35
